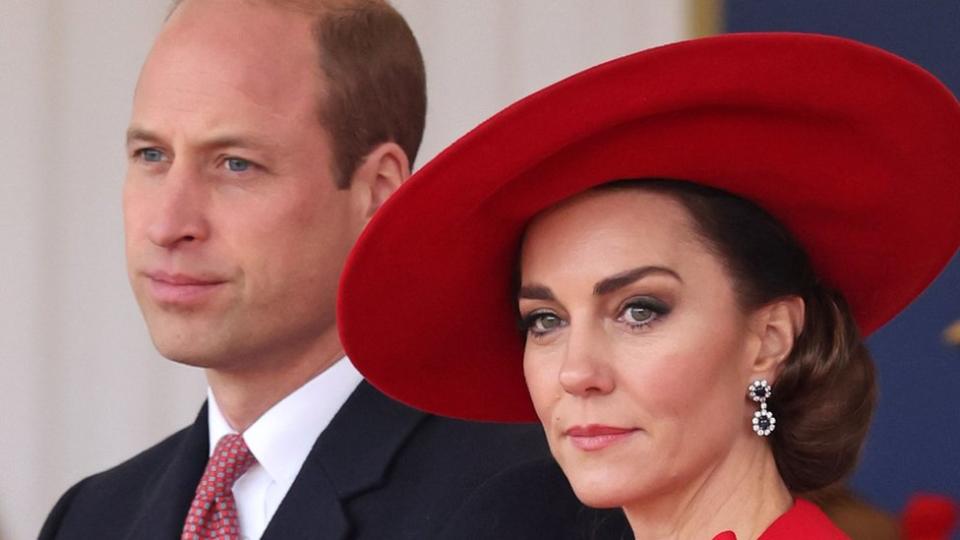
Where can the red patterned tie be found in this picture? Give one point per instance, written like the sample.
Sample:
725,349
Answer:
213,513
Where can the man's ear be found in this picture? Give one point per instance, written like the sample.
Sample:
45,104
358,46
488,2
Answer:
778,325
379,174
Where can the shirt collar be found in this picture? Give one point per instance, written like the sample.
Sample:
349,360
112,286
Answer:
283,436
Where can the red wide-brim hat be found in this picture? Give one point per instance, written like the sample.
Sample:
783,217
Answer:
855,150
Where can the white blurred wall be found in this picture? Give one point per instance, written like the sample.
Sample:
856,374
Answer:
81,387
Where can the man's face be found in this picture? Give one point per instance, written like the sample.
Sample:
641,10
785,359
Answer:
235,231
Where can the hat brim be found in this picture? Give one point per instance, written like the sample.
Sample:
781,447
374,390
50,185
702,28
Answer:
855,150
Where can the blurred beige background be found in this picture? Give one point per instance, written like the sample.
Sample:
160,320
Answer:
81,387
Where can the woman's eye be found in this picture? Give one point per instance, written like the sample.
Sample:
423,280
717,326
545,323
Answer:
542,323
642,312
238,164
547,322
638,315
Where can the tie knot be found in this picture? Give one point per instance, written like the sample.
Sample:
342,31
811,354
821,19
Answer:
230,459
213,512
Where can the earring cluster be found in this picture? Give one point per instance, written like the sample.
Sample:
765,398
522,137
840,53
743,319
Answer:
763,421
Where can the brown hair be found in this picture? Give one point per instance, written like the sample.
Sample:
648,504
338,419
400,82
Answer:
824,396
375,89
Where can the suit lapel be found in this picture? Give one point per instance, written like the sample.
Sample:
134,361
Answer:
170,491
311,509
351,456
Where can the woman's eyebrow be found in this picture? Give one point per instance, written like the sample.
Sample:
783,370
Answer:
535,292
618,281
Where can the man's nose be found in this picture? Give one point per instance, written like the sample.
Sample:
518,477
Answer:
586,369
181,209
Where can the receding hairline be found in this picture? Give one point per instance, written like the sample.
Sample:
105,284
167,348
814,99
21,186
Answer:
371,70
307,7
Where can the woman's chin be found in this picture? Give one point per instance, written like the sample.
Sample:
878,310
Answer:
602,492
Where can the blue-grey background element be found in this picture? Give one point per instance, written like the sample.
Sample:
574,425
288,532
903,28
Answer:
914,444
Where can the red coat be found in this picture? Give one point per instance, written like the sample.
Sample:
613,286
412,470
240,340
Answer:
803,521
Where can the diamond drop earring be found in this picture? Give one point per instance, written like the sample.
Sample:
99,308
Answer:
763,421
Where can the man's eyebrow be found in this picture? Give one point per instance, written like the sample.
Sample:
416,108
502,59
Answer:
236,141
535,292
618,281
135,133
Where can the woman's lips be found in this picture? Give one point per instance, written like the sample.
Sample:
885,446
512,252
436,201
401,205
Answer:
180,289
597,437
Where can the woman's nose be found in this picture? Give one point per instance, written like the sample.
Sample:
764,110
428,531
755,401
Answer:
586,370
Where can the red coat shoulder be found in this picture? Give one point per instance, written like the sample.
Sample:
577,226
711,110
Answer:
803,521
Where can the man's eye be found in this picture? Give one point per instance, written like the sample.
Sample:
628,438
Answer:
151,155
238,165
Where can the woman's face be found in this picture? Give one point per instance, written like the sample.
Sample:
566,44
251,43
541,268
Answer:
638,356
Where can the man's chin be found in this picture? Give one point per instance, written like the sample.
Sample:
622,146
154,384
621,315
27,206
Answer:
190,352
184,339
188,359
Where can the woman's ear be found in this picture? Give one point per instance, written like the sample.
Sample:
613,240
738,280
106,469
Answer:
778,325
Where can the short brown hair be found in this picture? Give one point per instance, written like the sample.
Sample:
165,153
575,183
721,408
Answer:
375,79
824,396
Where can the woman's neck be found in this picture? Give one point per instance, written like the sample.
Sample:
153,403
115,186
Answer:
744,493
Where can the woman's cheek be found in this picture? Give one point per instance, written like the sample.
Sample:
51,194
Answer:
544,388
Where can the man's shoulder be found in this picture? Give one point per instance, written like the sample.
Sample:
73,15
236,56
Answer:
140,467
461,479
467,455
403,434
532,500
103,498
497,446
437,443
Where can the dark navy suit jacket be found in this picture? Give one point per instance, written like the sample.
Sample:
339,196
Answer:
380,470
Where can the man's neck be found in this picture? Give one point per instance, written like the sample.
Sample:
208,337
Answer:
244,395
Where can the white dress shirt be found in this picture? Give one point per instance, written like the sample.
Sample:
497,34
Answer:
281,439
